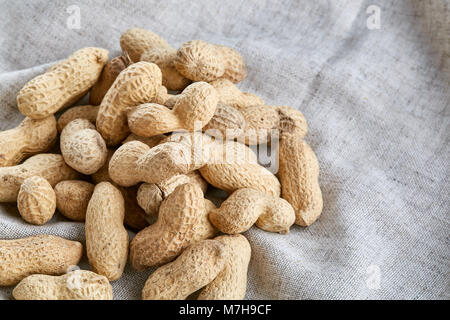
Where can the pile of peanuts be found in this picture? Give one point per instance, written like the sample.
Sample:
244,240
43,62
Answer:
156,134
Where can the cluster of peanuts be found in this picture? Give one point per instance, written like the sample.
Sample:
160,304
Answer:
142,155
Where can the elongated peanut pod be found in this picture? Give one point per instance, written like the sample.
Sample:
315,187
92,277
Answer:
135,85
48,166
87,112
75,285
106,237
231,282
44,254
161,242
63,84
197,266
192,111
246,207
82,147
29,138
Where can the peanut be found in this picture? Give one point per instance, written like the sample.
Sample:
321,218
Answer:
110,72
36,200
197,266
195,106
63,84
231,282
82,147
150,195
106,238
75,285
227,122
202,61
44,254
231,95
87,112
135,85
48,166
150,141
174,230
72,198
246,207
29,138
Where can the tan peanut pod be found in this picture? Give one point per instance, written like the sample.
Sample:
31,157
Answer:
202,61
63,84
231,282
227,122
43,254
292,120
87,112
150,195
72,198
36,200
261,122
246,207
82,147
197,266
106,237
161,242
135,41
192,111
230,94
51,167
135,216
150,141
163,98
135,85
299,174
110,72
75,285
204,229
29,138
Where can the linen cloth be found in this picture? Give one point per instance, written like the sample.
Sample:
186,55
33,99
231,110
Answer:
377,105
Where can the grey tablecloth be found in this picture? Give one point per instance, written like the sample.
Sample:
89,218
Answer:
377,104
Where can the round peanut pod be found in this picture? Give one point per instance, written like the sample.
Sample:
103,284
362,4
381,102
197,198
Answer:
72,198
87,112
197,266
75,285
63,84
106,237
51,167
246,207
82,147
36,200
137,84
29,138
230,94
44,254
202,61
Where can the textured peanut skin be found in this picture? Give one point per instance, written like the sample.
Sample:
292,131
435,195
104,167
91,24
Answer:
82,147
63,84
202,61
135,216
29,138
231,282
246,207
110,72
150,195
36,200
72,198
299,174
76,285
106,237
197,266
135,85
144,45
150,141
87,112
260,121
48,166
227,122
43,254
231,95
197,103
161,242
